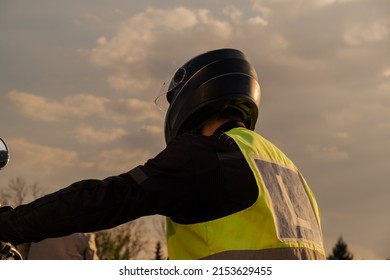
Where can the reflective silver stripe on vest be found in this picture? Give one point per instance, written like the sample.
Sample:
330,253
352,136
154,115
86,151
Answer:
269,254
138,175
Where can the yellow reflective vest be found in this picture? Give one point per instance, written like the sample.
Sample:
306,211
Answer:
283,223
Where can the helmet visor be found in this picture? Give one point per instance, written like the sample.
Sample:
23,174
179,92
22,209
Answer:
169,90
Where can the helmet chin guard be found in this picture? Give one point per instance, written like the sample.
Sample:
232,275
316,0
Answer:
208,84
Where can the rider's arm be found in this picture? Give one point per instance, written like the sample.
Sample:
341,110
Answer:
158,187
186,182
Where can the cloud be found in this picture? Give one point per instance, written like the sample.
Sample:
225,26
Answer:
151,129
132,109
328,153
261,7
330,2
117,160
136,81
39,158
233,13
341,135
101,41
258,21
357,114
40,108
141,43
81,106
87,18
386,73
90,134
237,16
358,35
129,45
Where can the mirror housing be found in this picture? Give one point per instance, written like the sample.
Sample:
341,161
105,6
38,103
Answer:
4,154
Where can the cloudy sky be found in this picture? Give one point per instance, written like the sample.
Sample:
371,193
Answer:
78,80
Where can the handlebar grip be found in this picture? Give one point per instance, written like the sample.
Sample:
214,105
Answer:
2,245
8,251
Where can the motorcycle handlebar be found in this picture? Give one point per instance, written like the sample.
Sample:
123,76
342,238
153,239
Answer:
8,252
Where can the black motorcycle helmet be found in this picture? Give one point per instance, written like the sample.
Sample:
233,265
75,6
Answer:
210,83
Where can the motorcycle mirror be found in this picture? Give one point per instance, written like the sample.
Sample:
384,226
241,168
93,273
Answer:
4,154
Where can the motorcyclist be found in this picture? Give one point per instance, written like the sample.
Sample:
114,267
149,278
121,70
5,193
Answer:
227,192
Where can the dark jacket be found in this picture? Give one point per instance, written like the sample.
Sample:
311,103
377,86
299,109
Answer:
187,182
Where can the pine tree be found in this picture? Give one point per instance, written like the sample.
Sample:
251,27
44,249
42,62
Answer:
340,251
157,254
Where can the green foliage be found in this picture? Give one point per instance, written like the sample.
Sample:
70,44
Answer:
340,251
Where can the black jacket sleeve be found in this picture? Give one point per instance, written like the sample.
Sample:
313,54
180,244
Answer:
186,182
